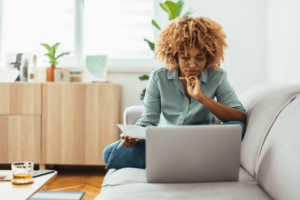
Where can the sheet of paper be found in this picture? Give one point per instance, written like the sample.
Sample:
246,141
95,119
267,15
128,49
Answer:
133,131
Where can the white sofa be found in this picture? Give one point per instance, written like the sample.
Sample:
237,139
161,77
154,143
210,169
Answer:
270,155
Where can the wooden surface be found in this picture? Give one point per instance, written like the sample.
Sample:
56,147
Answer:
20,192
20,139
20,98
74,178
91,185
79,121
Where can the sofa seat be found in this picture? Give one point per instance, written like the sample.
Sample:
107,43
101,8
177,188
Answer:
129,175
121,184
207,191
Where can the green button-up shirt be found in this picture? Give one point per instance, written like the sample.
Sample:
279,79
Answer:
165,101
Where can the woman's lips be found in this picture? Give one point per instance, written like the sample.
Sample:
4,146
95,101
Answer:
191,71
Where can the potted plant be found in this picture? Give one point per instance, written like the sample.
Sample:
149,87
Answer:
53,60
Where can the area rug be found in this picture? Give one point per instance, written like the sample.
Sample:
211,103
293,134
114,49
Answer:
55,195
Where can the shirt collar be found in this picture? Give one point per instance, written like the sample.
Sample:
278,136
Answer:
174,75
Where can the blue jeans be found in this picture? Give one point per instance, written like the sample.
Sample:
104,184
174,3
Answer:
107,151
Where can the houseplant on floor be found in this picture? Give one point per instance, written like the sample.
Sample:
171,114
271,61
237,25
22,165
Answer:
53,60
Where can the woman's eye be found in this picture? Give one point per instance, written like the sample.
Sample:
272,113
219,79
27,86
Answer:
199,59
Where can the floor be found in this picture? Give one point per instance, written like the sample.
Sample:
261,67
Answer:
75,178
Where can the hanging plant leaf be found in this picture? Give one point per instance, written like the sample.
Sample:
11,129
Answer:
166,8
189,12
151,44
155,24
173,8
180,5
144,77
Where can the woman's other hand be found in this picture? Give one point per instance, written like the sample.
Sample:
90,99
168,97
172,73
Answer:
129,142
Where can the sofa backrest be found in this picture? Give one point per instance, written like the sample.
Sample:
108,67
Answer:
262,103
279,161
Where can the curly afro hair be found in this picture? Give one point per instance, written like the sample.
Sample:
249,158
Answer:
184,32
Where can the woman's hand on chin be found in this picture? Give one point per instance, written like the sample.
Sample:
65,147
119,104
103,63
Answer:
193,86
129,142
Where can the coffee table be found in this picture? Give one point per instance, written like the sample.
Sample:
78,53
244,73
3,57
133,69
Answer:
20,192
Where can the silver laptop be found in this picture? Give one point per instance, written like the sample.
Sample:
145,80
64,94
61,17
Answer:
193,154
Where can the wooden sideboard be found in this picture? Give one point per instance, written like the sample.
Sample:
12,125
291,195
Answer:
58,123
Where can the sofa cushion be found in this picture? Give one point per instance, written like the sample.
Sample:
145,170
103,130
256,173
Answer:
134,175
262,102
279,161
197,191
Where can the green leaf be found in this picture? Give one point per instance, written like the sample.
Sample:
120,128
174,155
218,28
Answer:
155,24
166,8
173,8
180,5
53,62
46,46
54,47
189,12
50,55
151,44
62,55
144,77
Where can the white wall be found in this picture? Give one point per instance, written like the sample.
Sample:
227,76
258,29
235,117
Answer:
283,41
130,85
244,23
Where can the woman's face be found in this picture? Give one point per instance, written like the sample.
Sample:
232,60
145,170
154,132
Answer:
193,63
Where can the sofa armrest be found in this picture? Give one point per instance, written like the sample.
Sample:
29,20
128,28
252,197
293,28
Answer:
133,113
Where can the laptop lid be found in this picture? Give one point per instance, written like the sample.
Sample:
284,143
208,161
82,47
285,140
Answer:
191,154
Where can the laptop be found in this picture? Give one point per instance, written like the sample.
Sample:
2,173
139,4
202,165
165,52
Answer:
193,154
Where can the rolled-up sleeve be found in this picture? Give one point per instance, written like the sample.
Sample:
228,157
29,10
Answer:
151,104
226,95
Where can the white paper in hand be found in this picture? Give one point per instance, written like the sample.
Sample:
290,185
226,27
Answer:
133,131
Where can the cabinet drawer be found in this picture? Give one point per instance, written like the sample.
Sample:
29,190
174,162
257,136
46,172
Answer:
20,139
20,98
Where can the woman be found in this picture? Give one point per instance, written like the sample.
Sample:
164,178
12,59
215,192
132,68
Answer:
183,92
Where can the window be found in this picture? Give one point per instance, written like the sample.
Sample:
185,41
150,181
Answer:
116,28
26,24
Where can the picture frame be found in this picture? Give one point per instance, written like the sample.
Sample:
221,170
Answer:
95,68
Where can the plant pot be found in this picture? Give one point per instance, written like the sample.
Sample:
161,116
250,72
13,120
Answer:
50,73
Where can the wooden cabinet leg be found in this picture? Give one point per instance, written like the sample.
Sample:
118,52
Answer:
42,166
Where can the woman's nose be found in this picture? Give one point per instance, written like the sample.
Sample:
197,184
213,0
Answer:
192,63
